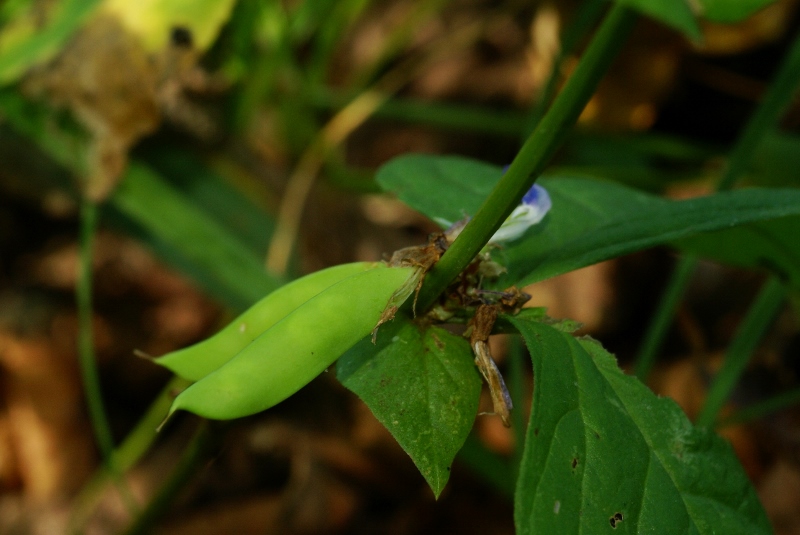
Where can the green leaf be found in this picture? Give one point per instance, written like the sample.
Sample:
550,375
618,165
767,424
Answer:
421,383
675,13
602,449
728,11
590,221
771,245
153,20
25,42
227,267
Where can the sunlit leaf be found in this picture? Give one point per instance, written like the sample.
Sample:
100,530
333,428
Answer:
154,20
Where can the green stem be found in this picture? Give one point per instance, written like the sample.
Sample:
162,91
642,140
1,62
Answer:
761,409
126,455
752,329
662,320
534,154
204,440
88,364
588,14
764,120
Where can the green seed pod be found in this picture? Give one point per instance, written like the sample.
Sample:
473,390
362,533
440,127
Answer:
197,361
299,347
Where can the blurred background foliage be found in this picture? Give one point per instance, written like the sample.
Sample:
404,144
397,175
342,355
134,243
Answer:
231,146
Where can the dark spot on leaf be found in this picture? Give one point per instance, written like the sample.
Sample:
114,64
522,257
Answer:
615,520
439,343
597,435
574,463
536,432
181,36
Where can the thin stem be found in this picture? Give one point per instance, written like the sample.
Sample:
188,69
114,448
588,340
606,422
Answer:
534,154
761,409
196,453
764,120
752,329
588,14
126,455
88,364
662,320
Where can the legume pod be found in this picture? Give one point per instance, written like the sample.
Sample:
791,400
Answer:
300,346
197,361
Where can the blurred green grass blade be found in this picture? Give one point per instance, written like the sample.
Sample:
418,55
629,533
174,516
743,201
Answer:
729,11
212,193
231,267
23,45
755,324
174,224
762,409
458,117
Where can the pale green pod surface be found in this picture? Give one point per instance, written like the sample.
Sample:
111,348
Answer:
197,361
299,347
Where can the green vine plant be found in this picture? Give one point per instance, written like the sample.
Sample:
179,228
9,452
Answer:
601,452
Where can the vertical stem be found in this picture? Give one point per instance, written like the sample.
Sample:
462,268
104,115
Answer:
88,364
662,320
588,14
764,120
534,154
206,437
752,329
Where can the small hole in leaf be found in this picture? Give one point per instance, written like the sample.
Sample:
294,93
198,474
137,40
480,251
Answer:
614,520
574,463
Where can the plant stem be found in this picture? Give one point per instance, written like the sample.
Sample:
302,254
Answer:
197,452
88,364
534,154
588,14
764,120
753,327
126,455
662,320
761,409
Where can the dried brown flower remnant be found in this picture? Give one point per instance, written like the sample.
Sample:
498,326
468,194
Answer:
120,93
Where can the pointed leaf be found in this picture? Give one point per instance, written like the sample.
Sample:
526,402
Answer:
603,454
674,13
421,383
728,11
590,220
771,245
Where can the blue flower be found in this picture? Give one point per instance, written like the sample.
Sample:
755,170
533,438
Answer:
535,205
